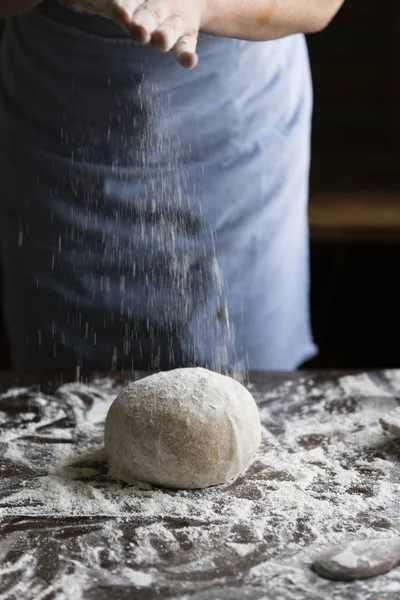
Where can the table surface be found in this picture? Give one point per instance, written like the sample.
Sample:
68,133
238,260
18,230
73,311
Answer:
325,473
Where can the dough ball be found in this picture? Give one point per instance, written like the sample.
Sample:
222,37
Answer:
184,429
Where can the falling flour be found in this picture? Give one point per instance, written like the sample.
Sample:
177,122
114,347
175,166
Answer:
326,474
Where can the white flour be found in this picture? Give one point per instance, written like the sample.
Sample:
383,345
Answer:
347,559
326,473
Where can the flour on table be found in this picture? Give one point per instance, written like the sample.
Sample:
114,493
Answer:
391,422
346,559
363,386
326,474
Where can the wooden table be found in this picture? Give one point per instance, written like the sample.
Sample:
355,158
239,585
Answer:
355,217
325,472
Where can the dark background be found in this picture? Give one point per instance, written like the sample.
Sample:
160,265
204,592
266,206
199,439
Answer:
355,189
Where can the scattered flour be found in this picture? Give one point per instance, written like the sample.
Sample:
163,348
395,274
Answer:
391,422
326,473
362,386
347,559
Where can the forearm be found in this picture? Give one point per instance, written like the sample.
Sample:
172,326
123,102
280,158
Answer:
10,8
258,20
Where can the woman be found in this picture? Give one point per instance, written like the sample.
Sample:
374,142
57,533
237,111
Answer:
154,217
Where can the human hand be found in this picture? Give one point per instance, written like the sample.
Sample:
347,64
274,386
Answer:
168,25
173,25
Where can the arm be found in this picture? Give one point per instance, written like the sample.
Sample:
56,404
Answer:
10,8
174,24
259,20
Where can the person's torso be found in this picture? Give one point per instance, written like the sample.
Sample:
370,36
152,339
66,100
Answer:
83,71
100,134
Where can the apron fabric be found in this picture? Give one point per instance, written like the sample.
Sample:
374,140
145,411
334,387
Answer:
152,217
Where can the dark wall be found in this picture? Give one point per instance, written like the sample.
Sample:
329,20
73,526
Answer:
356,146
4,357
356,71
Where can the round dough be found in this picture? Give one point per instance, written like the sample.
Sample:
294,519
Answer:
187,428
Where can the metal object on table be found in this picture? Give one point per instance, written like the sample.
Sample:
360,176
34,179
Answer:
359,560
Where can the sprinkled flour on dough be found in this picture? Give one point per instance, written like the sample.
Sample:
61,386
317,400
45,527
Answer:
326,473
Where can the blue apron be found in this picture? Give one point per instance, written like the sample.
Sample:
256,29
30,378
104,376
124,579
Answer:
152,217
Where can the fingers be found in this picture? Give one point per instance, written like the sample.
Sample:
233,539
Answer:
168,33
152,21
146,19
171,36
185,50
123,11
141,17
